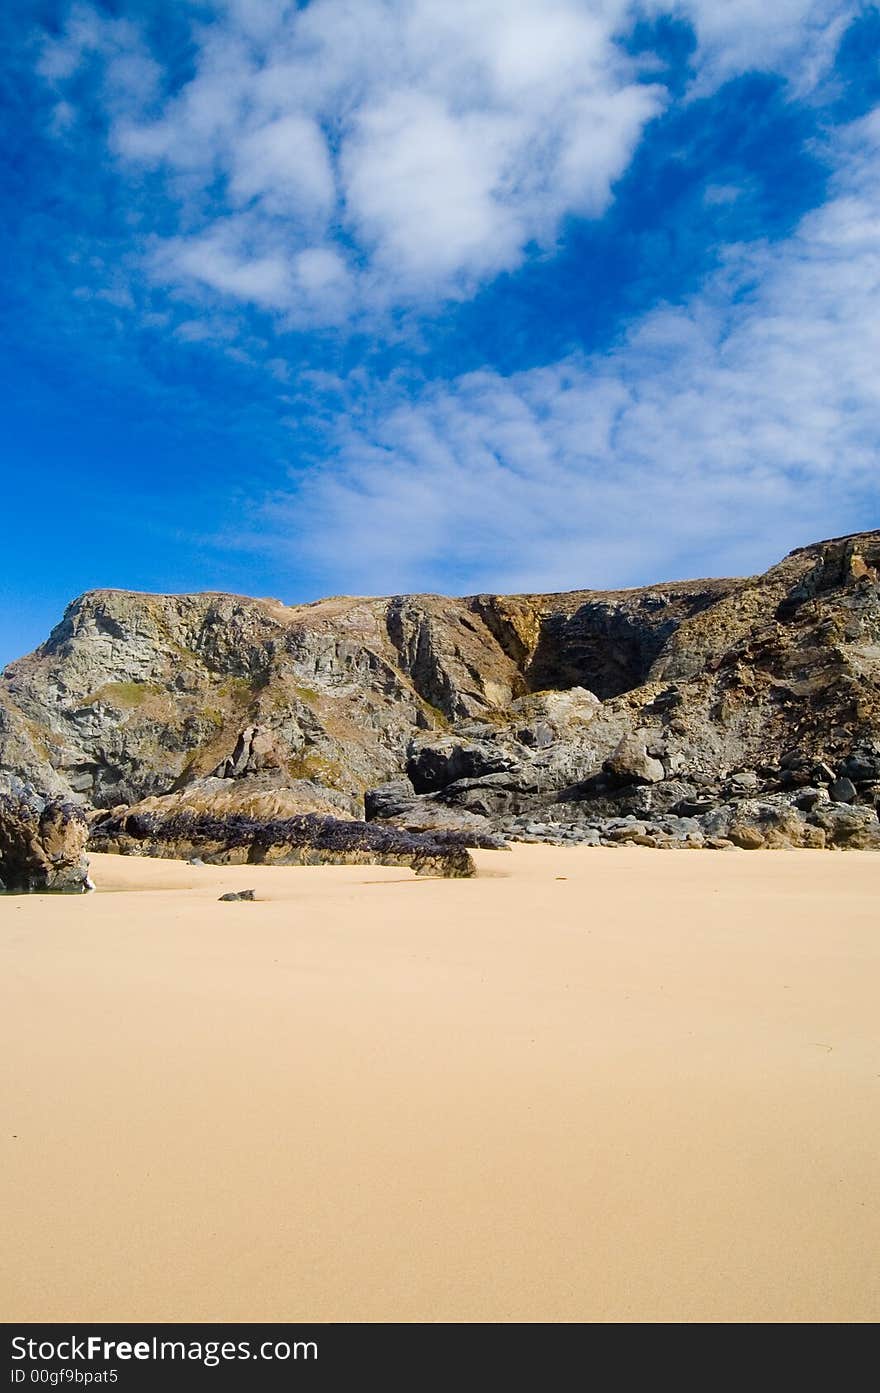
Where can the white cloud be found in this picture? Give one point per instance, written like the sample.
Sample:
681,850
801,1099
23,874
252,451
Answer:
129,73
334,161
797,37
723,431
440,140
220,260
286,165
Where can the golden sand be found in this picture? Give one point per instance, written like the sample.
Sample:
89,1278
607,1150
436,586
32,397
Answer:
600,1085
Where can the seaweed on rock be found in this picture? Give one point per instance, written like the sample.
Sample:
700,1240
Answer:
310,838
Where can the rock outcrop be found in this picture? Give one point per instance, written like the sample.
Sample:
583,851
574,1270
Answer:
42,845
308,840
586,716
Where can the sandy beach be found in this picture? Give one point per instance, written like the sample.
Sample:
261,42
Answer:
589,1085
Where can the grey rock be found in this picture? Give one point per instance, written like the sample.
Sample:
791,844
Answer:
630,763
745,781
843,790
389,800
434,764
680,826
397,805
538,736
845,825
238,895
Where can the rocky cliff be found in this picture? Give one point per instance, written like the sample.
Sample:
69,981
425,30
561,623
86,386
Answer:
521,712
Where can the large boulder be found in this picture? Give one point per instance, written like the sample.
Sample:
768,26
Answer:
42,845
630,763
393,799
433,764
856,828
755,824
863,764
396,805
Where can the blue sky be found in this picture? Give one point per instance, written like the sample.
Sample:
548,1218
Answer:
410,295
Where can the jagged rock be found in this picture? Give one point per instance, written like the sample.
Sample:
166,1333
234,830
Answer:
237,895
432,765
538,736
397,805
255,751
42,845
808,798
630,763
842,791
389,800
846,826
862,766
870,793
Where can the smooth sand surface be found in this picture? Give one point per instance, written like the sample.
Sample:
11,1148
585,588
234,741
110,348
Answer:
646,1091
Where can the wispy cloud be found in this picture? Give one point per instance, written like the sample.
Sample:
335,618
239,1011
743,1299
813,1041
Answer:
795,37
348,168
715,434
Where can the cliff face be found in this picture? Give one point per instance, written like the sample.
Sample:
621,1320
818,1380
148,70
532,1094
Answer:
509,702
135,694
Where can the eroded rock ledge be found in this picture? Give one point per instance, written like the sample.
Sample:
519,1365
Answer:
308,840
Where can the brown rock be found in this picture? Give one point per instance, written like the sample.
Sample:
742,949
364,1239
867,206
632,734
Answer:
42,846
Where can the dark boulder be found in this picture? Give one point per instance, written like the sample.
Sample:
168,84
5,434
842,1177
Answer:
862,766
843,790
432,766
389,800
808,798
